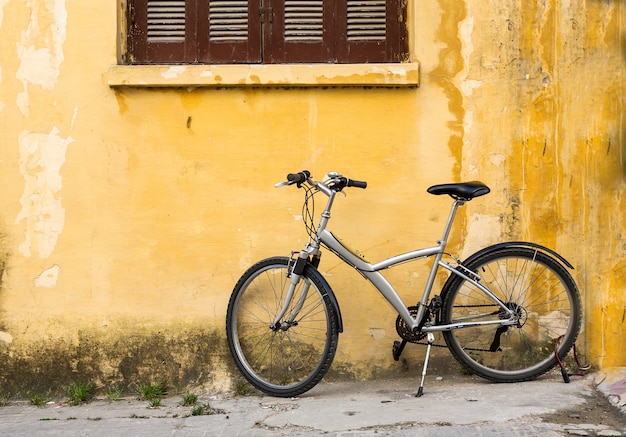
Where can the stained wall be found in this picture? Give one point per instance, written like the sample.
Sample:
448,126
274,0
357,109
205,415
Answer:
129,212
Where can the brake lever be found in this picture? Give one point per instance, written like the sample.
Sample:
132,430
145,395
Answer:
284,183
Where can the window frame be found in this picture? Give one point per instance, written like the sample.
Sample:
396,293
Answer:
124,74
265,42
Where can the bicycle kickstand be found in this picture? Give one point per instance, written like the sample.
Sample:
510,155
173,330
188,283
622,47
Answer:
431,340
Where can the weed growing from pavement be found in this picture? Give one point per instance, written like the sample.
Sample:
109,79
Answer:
38,399
114,394
4,399
150,392
202,410
189,399
153,393
155,403
79,392
242,388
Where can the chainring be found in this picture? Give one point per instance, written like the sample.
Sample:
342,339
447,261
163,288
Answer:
404,331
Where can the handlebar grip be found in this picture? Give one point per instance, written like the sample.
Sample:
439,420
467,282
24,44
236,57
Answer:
357,184
298,177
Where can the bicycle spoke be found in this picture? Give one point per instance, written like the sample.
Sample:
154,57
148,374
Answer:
534,288
291,357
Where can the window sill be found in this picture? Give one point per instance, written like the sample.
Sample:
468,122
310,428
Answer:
283,75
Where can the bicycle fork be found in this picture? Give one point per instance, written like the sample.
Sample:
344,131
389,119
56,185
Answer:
295,274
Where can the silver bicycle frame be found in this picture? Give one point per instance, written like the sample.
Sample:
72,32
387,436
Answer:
372,273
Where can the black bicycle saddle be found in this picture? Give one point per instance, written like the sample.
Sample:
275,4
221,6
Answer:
465,190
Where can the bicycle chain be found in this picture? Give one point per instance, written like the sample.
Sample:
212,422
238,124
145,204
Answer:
405,333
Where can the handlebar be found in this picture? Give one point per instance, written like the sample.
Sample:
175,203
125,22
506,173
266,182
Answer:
356,184
335,181
298,178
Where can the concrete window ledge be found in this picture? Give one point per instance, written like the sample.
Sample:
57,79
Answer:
283,75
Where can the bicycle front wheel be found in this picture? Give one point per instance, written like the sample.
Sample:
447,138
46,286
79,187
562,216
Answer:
287,360
543,295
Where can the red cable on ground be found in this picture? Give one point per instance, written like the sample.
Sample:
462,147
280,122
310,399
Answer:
566,376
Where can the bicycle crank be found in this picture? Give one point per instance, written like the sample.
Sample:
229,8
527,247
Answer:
405,332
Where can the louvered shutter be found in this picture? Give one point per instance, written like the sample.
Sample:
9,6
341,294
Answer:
301,31
230,31
372,31
162,31
266,31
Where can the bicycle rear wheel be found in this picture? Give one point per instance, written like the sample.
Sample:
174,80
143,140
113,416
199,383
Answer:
539,290
291,359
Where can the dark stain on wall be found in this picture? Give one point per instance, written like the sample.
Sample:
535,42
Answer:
181,358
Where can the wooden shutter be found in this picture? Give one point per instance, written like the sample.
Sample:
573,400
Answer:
230,31
301,31
162,31
267,31
372,31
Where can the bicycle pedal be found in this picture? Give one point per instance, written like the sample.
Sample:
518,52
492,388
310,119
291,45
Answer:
397,349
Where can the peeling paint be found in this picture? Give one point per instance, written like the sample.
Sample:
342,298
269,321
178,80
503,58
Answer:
468,86
42,65
466,30
41,53
49,278
41,158
173,72
377,333
2,5
5,337
480,232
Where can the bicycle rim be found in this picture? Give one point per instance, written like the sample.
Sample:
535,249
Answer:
539,290
281,362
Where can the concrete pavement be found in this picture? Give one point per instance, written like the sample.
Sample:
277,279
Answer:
451,406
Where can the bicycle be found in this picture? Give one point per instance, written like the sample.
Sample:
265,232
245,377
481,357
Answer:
508,313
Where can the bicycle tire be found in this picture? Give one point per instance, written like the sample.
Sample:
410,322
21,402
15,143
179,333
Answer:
543,293
281,362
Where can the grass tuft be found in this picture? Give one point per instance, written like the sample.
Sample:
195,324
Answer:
189,399
4,399
241,386
114,394
38,399
150,392
153,393
79,392
202,410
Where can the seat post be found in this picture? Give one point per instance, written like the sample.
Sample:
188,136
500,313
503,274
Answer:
446,231
423,303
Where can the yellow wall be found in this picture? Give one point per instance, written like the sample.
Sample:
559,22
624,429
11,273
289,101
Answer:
128,213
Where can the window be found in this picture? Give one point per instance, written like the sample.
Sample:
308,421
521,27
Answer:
266,31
